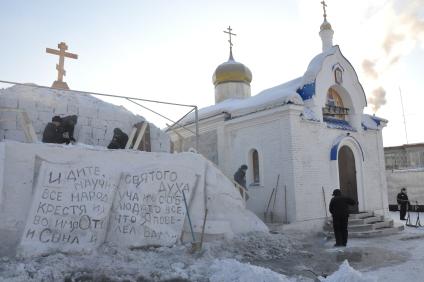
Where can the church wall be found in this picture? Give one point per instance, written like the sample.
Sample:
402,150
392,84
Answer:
208,142
375,183
270,136
96,118
314,170
350,89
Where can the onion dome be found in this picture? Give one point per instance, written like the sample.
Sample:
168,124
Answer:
232,71
325,25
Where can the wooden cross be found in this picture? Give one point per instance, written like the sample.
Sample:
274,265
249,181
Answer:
59,83
324,5
229,33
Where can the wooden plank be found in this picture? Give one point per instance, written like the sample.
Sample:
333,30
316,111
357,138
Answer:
27,127
140,135
130,140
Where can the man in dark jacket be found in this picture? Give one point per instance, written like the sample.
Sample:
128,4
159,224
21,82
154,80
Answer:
68,125
119,139
403,201
240,175
339,209
53,133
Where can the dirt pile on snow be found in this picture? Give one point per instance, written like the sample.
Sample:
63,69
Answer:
111,263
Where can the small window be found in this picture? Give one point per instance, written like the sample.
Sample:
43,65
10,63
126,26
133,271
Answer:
255,167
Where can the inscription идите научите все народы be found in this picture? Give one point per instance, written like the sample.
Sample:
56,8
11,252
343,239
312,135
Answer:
70,208
76,206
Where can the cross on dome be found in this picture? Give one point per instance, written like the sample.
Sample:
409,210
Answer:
324,5
230,41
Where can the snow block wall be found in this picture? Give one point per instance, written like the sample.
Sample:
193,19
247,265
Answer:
96,118
73,198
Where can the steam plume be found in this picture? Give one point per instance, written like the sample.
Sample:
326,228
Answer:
377,99
404,33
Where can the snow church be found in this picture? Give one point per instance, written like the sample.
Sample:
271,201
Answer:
300,139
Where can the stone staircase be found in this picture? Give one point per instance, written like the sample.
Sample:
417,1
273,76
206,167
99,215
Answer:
367,224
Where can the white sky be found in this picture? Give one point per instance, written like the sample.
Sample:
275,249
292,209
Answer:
168,49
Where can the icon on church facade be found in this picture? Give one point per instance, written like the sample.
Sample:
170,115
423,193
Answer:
338,76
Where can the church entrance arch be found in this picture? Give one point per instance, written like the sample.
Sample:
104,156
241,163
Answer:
347,175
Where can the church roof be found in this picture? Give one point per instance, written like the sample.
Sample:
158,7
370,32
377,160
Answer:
273,97
295,92
372,122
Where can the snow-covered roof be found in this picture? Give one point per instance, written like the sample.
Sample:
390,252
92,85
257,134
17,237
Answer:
294,91
371,122
269,98
315,65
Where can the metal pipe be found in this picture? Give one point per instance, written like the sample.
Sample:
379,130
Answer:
196,118
188,216
403,113
144,107
177,122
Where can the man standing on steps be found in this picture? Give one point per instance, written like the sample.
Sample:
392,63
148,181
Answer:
403,201
339,209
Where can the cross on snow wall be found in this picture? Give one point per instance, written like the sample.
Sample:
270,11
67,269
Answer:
131,198
96,118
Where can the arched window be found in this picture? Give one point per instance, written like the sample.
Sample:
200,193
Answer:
334,105
255,167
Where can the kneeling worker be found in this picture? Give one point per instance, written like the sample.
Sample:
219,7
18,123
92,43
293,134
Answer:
53,133
119,139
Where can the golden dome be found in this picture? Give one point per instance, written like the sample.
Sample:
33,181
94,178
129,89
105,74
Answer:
325,25
231,71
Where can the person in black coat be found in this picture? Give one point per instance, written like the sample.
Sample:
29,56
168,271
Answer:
339,209
403,201
119,139
53,133
68,125
240,175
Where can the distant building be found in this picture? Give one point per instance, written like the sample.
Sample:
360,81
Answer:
409,156
405,168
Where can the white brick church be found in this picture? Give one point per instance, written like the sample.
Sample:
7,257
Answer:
310,133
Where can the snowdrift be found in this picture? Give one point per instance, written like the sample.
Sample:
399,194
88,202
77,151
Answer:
71,199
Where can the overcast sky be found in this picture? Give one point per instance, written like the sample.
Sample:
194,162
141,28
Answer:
168,49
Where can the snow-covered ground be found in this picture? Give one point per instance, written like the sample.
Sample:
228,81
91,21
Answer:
253,257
